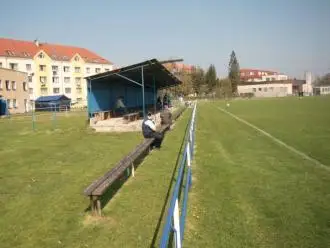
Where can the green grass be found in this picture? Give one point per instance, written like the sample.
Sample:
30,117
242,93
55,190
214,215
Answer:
44,172
250,192
247,190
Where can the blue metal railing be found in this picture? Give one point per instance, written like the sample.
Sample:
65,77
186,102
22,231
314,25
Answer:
174,222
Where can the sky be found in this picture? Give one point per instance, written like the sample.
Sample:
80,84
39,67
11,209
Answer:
290,36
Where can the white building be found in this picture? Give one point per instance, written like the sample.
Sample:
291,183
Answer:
308,87
321,90
265,89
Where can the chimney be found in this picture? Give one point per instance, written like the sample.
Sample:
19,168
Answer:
36,42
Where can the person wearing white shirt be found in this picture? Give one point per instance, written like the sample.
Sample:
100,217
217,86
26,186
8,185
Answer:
149,131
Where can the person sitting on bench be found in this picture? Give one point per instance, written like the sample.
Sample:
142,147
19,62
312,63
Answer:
149,131
120,107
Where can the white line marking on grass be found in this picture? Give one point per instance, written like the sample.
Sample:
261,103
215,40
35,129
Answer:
292,149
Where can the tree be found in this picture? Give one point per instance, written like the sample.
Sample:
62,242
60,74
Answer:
233,74
198,79
186,87
324,80
224,89
211,78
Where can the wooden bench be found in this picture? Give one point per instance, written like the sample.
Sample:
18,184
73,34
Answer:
97,188
102,115
132,116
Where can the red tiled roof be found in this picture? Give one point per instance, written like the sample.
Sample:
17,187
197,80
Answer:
28,49
257,70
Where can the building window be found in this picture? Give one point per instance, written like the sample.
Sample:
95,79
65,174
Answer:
7,85
68,90
0,64
13,85
15,103
56,90
41,55
54,68
13,66
76,58
271,88
79,99
78,81
24,86
9,103
106,69
97,70
254,90
259,89
31,91
66,68
0,85
28,67
88,70
44,91
77,69
42,67
29,79
43,80
78,90
67,80
56,80
265,89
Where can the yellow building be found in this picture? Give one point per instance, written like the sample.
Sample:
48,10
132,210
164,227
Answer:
52,69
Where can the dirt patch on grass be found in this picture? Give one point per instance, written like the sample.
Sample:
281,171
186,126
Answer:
91,220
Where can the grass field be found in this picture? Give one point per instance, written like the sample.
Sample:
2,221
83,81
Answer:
43,174
249,191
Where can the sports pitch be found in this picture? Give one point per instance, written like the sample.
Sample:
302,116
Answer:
251,190
248,189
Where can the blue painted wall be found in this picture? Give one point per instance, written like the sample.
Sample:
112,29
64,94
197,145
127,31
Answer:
103,96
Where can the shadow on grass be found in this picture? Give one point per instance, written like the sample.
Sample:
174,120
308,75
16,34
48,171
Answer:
172,182
120,181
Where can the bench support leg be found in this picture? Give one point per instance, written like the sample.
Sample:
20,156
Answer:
95,205
98,207
133,172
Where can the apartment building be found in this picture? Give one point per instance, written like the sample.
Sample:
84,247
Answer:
14,89
256,75
52,69
179,68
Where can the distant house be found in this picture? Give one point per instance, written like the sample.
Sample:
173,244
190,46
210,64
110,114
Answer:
266,88
321,90
257,75
52,103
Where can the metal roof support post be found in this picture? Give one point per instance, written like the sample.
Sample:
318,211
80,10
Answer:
155,96
89,92
143,103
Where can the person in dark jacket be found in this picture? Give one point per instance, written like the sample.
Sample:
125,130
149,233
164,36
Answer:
149,131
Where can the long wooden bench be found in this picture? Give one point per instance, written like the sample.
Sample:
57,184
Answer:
97,188
132,116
